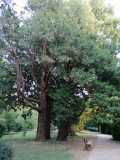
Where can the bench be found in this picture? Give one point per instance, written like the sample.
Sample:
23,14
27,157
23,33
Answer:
87,144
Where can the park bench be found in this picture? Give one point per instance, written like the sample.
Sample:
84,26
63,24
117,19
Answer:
87,144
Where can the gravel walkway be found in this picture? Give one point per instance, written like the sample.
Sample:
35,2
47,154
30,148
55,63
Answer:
77,149
105,149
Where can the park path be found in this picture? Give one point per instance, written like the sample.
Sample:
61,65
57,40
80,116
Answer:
77,148
105,148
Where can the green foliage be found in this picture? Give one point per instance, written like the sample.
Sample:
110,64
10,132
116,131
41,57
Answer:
66,106
24,128
6,151
3,129
15,122
116,130
106,128
83,34
94,129
10,118
18,123
116,124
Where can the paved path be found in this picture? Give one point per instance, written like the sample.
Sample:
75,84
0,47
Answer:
105,149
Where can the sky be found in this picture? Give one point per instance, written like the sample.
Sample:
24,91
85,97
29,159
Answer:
114,3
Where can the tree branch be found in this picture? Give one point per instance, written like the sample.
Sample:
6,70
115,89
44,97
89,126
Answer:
27,103
32,99
33,75
18,73
81,112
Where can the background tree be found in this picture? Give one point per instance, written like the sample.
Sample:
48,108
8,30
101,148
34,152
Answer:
84,118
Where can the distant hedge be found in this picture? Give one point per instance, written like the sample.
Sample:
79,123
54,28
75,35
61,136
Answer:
95,129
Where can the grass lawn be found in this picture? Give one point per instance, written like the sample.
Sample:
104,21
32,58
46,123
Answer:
25,148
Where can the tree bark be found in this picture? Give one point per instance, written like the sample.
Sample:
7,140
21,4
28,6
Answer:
100,128
63,131
41,129
48,118
40,136
72,131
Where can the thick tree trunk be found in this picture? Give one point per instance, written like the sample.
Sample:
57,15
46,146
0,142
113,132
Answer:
63,131
40,137
41,129
48,119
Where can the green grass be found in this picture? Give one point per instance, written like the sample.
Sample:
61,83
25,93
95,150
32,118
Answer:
25,148
35,153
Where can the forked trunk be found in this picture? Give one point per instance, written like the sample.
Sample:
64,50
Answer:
63,131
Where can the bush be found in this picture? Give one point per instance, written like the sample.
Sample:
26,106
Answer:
10,118
90,123
116,129
24,129
30,121
6,151
18,124
94,129
106,128
2,129
116,124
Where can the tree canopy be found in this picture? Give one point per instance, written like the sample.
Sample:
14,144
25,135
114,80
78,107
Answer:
65,50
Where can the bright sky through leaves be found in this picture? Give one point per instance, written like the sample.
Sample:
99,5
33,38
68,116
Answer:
114,3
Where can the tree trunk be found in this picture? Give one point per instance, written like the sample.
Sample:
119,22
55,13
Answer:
41,128
72,131
63,131
40,137
99,128
48,118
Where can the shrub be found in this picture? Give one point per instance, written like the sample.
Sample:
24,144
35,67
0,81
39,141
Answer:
30,122
18,124
10,118
94,129
116,129
90,123
15,121
6,151
106,128
24,129
2,129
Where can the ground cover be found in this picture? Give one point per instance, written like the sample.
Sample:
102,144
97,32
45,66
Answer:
26,148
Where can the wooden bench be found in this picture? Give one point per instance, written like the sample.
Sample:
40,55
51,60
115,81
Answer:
87,144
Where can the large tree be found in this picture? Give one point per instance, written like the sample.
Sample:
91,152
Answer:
92,68
61,43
